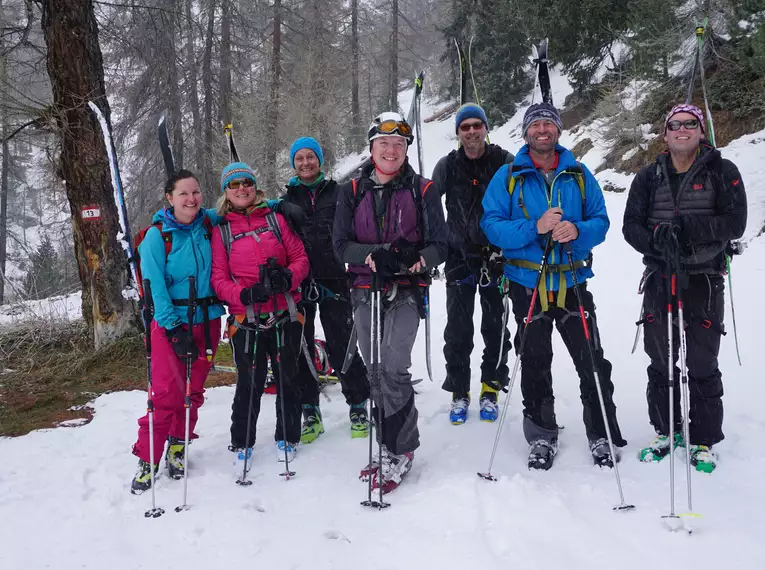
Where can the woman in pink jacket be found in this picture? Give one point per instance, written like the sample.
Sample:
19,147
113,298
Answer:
258,264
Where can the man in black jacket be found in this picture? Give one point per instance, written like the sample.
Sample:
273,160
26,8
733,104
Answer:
473,263
326,289
691,199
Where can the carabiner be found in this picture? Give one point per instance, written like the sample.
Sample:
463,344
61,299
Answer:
312,295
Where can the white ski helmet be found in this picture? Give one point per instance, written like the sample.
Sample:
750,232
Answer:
390,124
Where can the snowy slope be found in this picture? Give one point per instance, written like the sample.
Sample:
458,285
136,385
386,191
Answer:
65,500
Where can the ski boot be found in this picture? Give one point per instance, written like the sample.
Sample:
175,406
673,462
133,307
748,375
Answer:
703,458
394,468
174,458
459,410
658,449
601,453
240,453
542,454
488,403
312,424
359,420
291,450
142,480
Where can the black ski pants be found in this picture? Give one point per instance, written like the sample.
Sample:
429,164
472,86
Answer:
296,378
337,321
704,303
458,334
536,363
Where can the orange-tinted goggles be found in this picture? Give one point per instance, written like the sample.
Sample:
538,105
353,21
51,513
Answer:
394,127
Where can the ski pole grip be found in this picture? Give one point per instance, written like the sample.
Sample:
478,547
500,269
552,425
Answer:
374,285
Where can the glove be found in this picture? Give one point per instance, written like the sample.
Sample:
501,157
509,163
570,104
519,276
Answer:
280,278
665,234
258,293
408,253
386,262
295,215
179,340
496,264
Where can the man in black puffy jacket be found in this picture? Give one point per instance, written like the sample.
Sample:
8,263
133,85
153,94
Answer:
691,200
473,264
326,289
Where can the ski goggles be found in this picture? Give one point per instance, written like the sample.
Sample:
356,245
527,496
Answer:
394,128
690,124
242,183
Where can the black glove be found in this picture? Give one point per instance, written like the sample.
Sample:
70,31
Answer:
295,215
280,278
665,234
179,340
408,253
496,264
386,262
258,293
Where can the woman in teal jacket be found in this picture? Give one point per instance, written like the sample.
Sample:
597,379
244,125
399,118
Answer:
548,193
177,247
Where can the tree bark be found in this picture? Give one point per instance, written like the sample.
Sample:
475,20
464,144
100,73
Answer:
191,62
75,67
273,103
225,64
394,59
4,132
355,110
173,82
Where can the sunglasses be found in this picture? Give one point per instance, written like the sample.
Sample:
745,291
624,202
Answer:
245,183
465,127
690,124
392,127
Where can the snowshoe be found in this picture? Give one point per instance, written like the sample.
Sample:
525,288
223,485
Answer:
459,410
488,403
703,458
291,450
142,480
174,458
601,453
394,468
658,449
359,421
312,424
542,454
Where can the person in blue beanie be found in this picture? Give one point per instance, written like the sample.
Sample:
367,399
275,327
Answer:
547,194
325,291
473,264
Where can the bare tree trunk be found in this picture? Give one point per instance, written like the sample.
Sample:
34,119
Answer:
193,90
207,85
5,166
225,64
76,73
355,110
273,103
173,83
394,60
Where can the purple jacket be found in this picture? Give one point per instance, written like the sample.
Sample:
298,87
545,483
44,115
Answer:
370,216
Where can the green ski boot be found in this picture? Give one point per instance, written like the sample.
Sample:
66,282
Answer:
312,425
658,449
142,480
359,420
174,458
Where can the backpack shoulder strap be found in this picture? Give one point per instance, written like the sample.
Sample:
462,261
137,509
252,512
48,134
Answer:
512,181
273,225
578,172
225,233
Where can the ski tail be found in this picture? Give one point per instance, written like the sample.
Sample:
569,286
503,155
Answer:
164,145
233,155
463,71
417,126
543,72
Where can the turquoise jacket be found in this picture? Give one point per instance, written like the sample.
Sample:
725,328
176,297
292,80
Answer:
191,255
507,227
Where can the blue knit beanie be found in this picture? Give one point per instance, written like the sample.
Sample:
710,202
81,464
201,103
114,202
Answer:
470,111
234,171
309,143
541,111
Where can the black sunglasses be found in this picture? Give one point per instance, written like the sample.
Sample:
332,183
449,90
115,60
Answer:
690,124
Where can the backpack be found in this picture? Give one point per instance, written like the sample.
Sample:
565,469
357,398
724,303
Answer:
576,171
167,238
272,225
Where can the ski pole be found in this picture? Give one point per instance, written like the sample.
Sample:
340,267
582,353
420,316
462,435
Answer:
187,398
375,333
527,321
732,307
505,320
256,312
595,369
154,512
684,389
671,381
426,302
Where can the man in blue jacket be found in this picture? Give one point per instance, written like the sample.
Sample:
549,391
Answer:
547,192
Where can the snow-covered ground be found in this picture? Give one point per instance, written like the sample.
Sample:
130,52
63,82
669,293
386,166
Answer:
65,500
